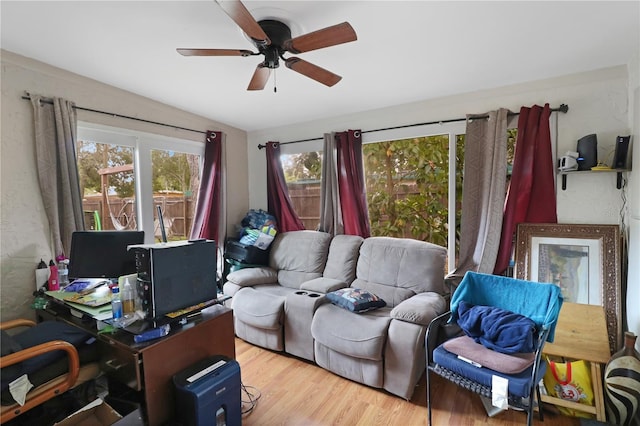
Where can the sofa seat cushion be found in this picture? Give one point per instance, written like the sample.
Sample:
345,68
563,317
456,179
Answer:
258,309
356,335
518,383
466,347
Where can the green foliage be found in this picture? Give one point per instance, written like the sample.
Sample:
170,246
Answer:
407,187
172,171
302,166
93,156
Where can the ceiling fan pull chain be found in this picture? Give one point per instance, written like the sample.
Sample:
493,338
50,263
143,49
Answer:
275,74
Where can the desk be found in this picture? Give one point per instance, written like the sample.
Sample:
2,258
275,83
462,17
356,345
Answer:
148,368
581,333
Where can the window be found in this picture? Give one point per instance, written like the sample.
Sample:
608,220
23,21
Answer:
303,172
409,193
126,175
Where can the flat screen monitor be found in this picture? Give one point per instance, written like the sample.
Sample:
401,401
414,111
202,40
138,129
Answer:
103,254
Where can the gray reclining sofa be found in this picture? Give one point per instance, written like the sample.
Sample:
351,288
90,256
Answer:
285,307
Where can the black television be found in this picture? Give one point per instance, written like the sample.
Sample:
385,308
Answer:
103,254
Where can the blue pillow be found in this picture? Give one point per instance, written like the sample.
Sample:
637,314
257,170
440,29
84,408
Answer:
356,300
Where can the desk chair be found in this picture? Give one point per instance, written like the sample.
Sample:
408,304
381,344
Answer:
55,356
504,314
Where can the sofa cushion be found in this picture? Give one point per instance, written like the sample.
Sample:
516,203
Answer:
420,309
355,299
299,256
504,363
404,266
253,276
258,309
343,258
323,285
359,336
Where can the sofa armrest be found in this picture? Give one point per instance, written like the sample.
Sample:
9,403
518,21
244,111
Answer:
323,285
420,309
248,277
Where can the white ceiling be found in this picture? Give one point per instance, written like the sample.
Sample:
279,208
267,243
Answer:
405,52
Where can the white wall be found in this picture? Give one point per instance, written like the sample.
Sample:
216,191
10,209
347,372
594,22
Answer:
23,225
598,103
633,282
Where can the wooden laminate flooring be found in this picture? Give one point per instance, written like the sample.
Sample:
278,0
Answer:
296,392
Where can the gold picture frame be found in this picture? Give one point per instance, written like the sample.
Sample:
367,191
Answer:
584,260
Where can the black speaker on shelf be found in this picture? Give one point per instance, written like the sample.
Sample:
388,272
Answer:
588,150
621,153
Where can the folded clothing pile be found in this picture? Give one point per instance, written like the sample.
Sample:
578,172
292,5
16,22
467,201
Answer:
258,229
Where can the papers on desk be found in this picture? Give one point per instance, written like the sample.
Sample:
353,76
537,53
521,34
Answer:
95,299
99,313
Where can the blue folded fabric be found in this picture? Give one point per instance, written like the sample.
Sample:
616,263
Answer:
498,329
541,302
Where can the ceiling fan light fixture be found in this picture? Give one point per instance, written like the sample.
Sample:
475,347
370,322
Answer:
272,38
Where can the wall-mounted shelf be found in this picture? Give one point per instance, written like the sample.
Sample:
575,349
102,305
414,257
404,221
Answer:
578,172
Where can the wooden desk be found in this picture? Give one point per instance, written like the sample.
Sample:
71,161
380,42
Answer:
581,333
147,369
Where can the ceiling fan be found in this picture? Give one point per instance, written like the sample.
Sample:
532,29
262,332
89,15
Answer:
272,38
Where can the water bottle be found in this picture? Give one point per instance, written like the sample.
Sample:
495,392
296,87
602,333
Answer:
116,306
63,272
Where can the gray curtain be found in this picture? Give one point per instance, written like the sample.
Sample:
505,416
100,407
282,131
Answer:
55,138
330,211
483,193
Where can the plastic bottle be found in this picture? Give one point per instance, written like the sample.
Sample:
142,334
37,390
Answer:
128,299
63,272
53,277
116,306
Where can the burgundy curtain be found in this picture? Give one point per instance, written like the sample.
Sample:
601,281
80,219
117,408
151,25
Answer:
531,197
207,216
353,198
278,201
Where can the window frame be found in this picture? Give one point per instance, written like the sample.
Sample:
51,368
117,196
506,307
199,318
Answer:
453,130
142,143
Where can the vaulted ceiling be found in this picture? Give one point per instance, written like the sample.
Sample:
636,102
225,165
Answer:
405,52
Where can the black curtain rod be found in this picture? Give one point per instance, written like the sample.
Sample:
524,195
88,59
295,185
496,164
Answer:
562,108
49,101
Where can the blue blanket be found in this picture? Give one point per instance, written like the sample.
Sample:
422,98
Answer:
497,329
540,302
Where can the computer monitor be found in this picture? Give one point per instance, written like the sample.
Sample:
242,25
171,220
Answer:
103,254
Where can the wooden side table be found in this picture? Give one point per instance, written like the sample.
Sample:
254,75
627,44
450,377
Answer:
581,333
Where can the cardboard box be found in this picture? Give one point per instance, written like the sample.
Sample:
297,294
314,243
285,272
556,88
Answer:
97,413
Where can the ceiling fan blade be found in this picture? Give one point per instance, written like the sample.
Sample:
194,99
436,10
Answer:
326,37
241,16
260,77
315,72
215,52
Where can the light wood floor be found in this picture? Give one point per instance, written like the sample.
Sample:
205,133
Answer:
297,392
